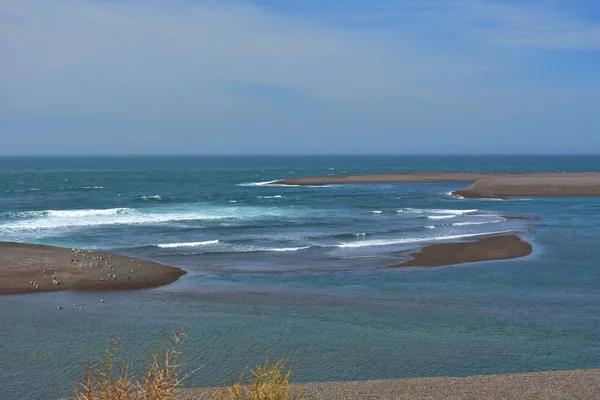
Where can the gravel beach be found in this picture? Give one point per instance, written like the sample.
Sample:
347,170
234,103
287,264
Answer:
555,385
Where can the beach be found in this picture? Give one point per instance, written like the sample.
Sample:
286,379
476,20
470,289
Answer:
500,247
486,185
28,268
554,385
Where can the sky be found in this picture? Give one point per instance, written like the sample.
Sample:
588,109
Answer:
95,77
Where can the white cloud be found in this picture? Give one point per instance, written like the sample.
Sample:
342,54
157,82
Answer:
92,56
230,70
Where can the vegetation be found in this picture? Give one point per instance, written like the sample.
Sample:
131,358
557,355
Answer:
268,381
113,378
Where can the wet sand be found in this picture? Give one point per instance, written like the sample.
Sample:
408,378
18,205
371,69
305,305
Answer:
27,268
485,249
555,385
486,185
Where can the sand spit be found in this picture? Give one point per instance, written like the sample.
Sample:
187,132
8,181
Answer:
26,268
408,177
485,249
486,185
555,385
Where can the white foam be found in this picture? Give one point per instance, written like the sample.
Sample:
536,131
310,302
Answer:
155,197
93,187
376,211
454,195
261,183
255,249
430,227
478,223
273,184
434,211
79,213
53,219
278,196
387,242
282,249
487,199
233,201
441,217
188,244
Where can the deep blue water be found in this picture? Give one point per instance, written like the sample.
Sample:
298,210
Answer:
297,270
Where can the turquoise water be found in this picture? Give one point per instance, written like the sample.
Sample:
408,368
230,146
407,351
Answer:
297,270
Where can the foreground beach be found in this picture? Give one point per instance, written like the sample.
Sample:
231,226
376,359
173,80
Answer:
563,385
26,268
486,185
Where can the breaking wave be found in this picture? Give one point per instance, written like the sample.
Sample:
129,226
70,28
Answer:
188,244
478,223
441,216
387,242
435,211
261,183
53,219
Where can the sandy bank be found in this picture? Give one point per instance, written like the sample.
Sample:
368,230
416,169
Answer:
563,385
408,177
580,184
485,249
26,268
488,185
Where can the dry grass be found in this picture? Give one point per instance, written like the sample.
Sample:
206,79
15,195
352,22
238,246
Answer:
112,378
268,381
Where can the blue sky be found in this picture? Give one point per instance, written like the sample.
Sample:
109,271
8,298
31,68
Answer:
299,77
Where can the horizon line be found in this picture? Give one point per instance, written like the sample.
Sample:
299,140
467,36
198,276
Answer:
299,155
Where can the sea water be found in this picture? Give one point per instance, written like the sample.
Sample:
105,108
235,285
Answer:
300,271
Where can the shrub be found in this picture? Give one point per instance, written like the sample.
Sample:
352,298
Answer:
267,381
112,378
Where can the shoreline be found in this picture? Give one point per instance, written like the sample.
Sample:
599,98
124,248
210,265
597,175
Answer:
491,248
30,268
499,185
579,384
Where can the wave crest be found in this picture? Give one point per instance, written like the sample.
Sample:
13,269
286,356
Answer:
436,217
387,242
187,244
436,211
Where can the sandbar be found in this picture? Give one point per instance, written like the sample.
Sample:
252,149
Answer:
485,184
28,268
490,248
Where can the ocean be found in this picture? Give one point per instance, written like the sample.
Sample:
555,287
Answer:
300,271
